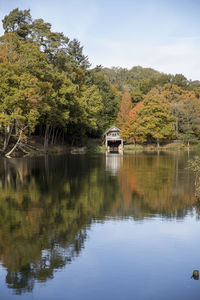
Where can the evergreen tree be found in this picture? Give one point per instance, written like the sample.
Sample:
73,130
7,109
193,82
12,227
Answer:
18,21
75,51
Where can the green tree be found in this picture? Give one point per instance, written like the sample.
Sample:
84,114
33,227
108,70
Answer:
18,21
180,80
75,51
91,102
110,98
185,108
43,82
155,118
189,118
23,69
50,42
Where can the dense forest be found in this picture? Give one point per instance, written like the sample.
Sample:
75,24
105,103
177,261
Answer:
49,90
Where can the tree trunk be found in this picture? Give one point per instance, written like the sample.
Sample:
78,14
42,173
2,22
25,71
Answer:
50,131
55,137
22,149
46,137
158,144
15,146
63,137
176,128
8,132
29,134
52,138
59,135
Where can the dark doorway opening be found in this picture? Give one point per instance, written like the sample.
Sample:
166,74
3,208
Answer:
114,145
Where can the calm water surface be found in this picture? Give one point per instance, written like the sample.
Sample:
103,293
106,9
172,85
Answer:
98,227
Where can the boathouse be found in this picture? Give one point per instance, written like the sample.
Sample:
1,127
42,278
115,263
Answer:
113,140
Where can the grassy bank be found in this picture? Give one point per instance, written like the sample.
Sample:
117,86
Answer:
175,146
95,146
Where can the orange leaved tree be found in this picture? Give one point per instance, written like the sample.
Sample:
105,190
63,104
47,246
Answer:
125,107
131,130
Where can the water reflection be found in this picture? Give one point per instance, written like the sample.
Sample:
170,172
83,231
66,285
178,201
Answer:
156,184
47,205
113,162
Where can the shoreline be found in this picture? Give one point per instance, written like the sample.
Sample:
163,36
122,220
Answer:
94,146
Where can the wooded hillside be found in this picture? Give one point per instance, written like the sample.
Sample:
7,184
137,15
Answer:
48,89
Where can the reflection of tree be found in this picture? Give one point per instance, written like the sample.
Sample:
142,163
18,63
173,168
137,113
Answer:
44,212
153,184
47,205
23,276
128,181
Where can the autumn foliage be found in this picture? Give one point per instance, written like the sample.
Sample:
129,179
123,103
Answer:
130,129
125,108
166,113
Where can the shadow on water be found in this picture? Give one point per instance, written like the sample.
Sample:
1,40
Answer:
47,205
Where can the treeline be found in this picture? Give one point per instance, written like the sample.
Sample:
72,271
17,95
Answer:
139,81
156,107
46,87
166,113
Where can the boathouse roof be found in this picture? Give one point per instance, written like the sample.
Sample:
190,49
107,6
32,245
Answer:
113,128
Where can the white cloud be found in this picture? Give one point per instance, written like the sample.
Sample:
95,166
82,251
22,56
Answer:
173,56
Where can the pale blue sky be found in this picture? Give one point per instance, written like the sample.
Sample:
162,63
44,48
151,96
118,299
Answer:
162,34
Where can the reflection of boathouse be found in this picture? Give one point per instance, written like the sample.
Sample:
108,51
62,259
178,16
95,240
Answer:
113,140
113,163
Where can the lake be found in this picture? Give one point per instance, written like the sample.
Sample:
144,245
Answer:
99,227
